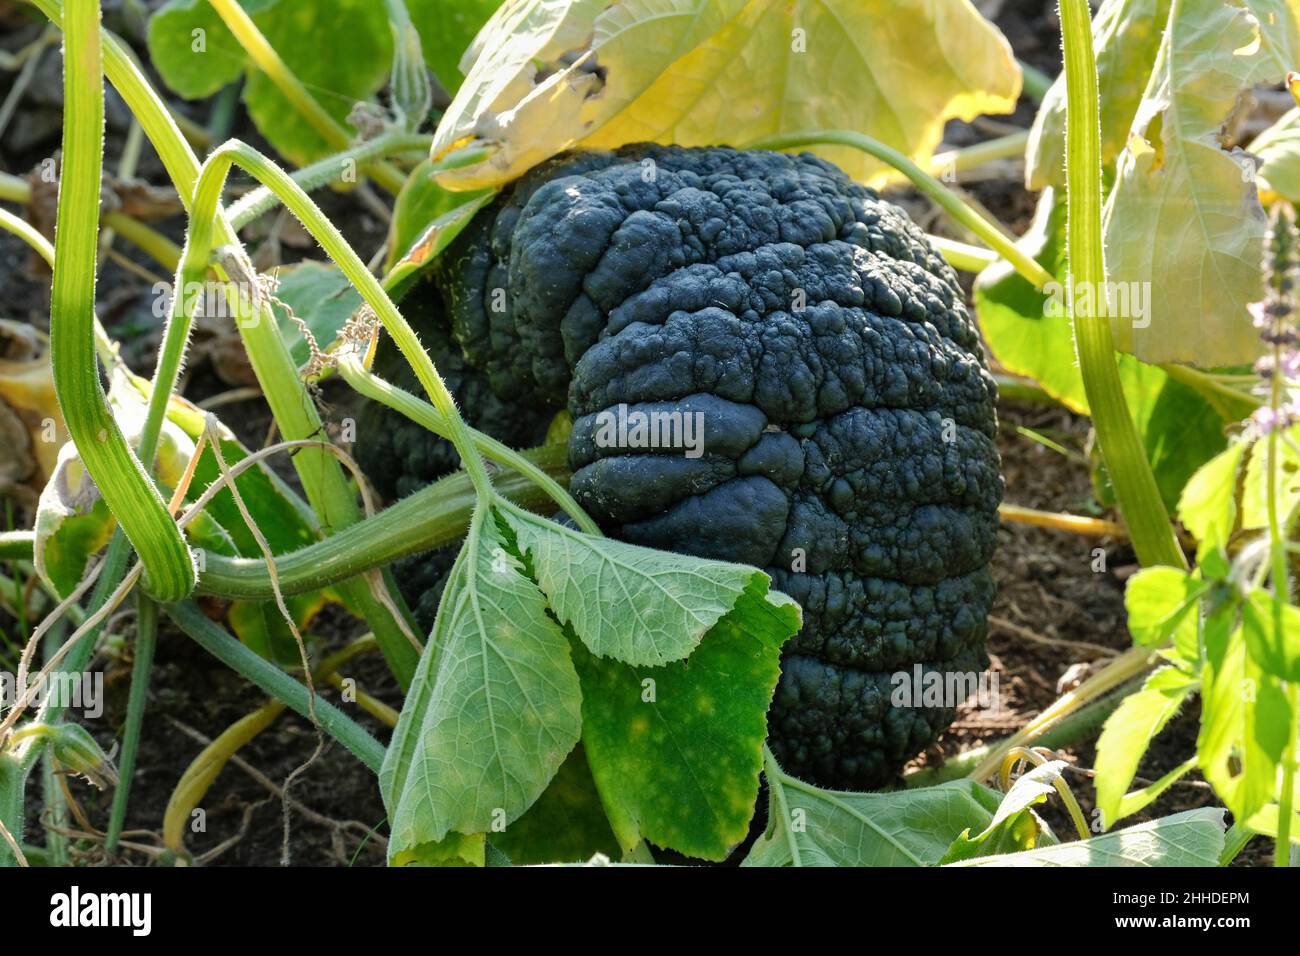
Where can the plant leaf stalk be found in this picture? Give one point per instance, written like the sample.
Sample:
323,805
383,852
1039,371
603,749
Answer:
942,196
207,196
1135,484
125,485
323,480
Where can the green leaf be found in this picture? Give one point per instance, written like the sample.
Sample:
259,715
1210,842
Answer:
1026,332
1159,601
1125,37
1183,206
1208,506
446,29
1191,838
427,217
551,74
1244,719
1014,827
808,826
567,823
341,50
636,605
318,294
1278,149
1254,488
494,707
676,750
1276,650
1129,731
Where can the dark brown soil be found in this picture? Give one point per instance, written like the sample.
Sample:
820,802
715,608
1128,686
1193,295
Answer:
1058,606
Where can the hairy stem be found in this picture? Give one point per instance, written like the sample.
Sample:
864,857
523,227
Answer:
1135,484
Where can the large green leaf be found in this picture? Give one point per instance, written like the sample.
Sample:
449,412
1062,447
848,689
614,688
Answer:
1125,37
1184,218
1129,731
807,826
636,605
1191,838
552,74
340,49
493,710
676,750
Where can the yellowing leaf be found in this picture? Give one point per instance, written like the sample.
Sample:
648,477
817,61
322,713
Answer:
1126,36
554,74
1184,217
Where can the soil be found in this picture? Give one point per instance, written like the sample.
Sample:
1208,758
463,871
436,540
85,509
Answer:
1060,605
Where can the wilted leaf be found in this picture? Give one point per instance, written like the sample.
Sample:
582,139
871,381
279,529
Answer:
72,520
1278,150
1183,218
426,218
1014,826
553,74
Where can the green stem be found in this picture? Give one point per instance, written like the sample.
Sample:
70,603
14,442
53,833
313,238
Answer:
962,256
17,545
424,414
146,640
323,481
331,169
434,516
13,785
277,71
943,197
1135,484
275,682
207,197
971,157
124,484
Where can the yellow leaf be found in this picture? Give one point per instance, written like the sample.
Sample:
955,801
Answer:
550,75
